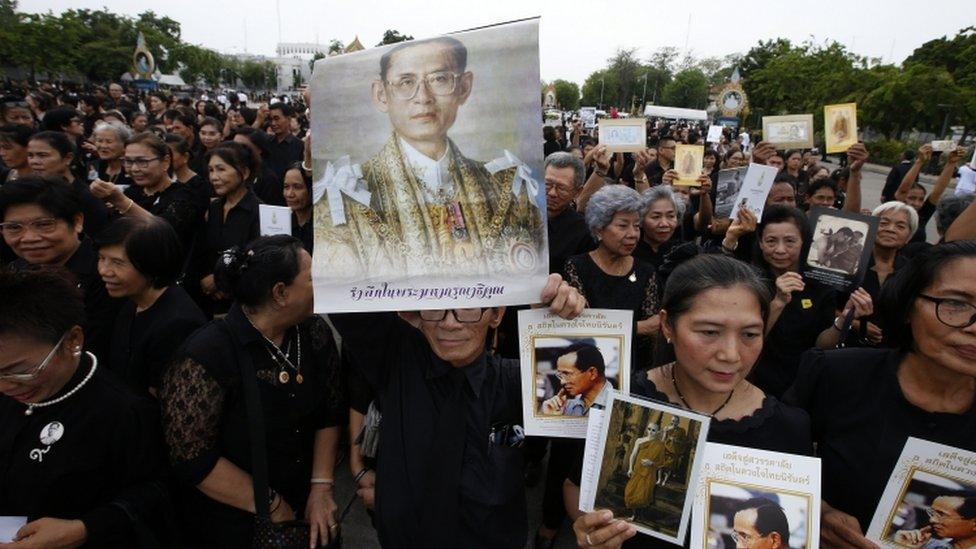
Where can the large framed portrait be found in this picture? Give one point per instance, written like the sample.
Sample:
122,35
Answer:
427,176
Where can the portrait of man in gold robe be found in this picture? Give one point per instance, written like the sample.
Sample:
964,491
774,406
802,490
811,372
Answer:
419,206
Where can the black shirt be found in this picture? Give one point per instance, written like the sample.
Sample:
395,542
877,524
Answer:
120,178
205,418
636,291
303,232
202,190
925,214
176,204
269,188
100,308
808,313
551,146
894,178
861,421
568,236
435,440
96,214
143,343
108,456
645,253
283,153
241,226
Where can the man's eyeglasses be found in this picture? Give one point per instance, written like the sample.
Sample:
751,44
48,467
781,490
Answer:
44,225
28,374
141,163
439,83
952,312
745,539
566,376
941,516
464,316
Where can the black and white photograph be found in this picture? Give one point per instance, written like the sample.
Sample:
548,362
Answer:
840,248
727,189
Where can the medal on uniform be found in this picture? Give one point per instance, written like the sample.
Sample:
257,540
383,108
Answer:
299,379
283,377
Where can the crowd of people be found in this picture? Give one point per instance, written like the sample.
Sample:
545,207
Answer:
187,396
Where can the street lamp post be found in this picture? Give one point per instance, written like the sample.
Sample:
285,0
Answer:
601,92
945,121
644,93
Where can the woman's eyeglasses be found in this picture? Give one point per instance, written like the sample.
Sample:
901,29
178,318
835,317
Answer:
31,373
952,312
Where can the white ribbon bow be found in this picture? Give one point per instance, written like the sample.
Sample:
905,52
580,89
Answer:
523,176
340,178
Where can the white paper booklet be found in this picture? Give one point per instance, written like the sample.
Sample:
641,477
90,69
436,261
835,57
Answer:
570,366
929,499
751,495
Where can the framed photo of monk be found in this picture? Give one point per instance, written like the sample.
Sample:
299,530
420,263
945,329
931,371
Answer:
840,248
688,163
792,131
840,127
645,467
427,172
570,367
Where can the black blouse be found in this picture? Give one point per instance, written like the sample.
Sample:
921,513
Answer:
144,343
205,418
636,291
107,463
809,312
861,421
568,236
96,214
305,233
176,204
240,226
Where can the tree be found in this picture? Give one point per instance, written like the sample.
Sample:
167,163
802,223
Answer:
567,94
318,55
336,46
392,37
689,89
604,81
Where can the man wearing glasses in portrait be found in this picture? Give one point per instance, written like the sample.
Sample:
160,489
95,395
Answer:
583,375
430,209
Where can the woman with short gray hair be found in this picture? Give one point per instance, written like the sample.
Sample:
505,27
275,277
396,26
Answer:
897,222
609,277
660,225
109,143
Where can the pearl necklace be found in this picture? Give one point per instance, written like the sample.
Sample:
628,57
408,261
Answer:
32,405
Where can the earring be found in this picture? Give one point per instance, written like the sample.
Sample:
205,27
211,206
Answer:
668,339
77,351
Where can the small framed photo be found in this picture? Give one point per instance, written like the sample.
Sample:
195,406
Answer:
571,366
840,127
643,464
688,163
792,131
623,134
840,248
928,499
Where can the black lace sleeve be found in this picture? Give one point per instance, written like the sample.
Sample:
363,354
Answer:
332,409
573,277
651,304
184,215
192,404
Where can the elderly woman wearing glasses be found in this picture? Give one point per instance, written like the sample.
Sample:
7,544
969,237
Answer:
865,403
79,453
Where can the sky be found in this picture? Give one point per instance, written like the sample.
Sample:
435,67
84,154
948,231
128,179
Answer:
576,37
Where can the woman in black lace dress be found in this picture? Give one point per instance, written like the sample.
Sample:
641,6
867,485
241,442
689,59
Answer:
205,419
609,277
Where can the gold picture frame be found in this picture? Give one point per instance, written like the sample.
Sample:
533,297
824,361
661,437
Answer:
791,131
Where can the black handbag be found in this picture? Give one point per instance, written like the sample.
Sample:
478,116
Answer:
292,534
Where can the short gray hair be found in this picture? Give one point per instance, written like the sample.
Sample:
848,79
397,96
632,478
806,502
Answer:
949,208
664,192
609,201
562,159
898,206
122,133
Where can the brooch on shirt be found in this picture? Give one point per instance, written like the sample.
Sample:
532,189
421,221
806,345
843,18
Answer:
51,433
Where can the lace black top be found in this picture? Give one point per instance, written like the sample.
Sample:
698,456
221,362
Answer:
635,291
205,418
176,204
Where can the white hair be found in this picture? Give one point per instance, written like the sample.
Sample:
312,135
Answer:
899,206
608,202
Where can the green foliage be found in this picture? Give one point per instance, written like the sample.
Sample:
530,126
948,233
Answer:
888,151
567,94
689,89
393,36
